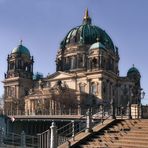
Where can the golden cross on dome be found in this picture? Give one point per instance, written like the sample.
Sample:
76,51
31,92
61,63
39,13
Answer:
86,14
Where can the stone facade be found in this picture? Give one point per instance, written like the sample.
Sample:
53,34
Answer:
87,75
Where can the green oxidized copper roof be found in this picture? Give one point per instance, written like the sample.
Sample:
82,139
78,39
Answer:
87,34
21,49
133,70
97,45
37,76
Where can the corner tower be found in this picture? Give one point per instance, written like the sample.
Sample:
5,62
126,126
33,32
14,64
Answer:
18,78
134,75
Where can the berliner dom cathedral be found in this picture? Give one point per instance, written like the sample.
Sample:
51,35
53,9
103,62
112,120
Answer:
87,75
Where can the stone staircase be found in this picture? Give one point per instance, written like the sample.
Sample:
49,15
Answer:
121,134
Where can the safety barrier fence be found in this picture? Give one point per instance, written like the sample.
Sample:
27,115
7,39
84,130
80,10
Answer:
44,139
17,140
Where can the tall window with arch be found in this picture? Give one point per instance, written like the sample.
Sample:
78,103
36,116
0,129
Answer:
94,88
94,63
82,87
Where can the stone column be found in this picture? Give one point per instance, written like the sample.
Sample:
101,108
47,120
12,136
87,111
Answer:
1,136
53,136
101,87
79,105
112,109
77,65
129,110
88,121
83,60
73,129
89,86
23,140
140,111
100,61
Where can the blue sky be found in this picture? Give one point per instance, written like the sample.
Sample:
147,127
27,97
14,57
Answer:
42,24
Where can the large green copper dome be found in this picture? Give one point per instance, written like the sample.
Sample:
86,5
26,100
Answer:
87,34
20,49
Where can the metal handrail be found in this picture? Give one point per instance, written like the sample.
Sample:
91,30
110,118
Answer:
44,139
17,139
75,129
69,130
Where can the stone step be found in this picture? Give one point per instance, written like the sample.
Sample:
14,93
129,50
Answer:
136,135
129,123
121,126
95,145
132,121
131,141
124,125
103,140
140,125
139,128
98,146
143,120
113,145
126,145
123,134
106,138
135,138
139,140
143,123
117,128
136,132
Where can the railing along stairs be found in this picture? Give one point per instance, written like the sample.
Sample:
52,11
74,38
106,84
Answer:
72,129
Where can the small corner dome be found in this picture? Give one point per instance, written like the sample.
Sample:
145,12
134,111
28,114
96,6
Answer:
133,70
20,49
37,76
97,45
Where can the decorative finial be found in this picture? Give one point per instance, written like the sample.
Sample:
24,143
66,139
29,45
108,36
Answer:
21,41
86,14
86,18
133,65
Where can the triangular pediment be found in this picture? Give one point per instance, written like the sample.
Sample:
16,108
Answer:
60,75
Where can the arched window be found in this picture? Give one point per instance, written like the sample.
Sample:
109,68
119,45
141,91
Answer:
94,63
82,87
94,88
73,62
11,66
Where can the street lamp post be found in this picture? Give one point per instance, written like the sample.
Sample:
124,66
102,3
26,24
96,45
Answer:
142,94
